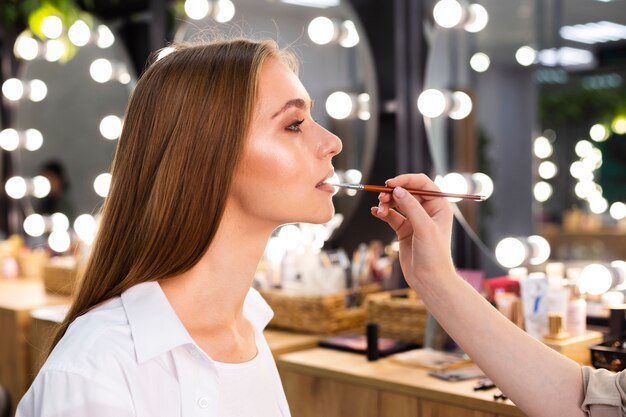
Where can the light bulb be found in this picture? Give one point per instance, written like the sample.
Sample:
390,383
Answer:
595,279
480,62
9,139
448,13
598,204
16,187
111,127
461,106
353,176
224,11
432,103
41,186
619,125
542,147
79,33
339,105
363,105
59,241
584,188
26,47
618,210
60,222
105,37
525,55
290,236
547,170
542,191
510,252
478,18
55,49
540,249
484,184
85,227
52,27
13,89
583,148
34,225
38,90
197,9
34,140
349,37
101,184
456,183
101,70
598,133
321,30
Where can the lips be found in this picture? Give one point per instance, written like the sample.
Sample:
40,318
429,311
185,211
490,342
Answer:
323,181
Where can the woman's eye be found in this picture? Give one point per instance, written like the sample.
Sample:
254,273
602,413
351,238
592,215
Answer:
295,126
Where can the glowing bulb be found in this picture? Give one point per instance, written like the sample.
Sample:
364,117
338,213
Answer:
224,11
584,188
510,252
13,89
197,9
101,70
101,184
111,127
52,27
619,125
350,36
618,210
79,33
60,222
540,249
583,148
339,105
542,147
41,186
105,37
598,133
34,225
456,183
26,47
54,50
547,170
34,140
598,204
363,101
9,139
480,62
38,90
484,184
290,236
85,227
595,279
461,106
16,187
353,176
478,18
525,56
59,241
124,78
321,30
542,191
448,13
432,103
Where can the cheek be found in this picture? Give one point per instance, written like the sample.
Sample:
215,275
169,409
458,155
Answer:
277,166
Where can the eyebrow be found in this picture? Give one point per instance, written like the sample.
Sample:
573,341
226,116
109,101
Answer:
296,102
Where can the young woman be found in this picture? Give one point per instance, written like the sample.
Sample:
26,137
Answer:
218,149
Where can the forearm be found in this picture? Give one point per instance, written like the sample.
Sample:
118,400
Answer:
536,378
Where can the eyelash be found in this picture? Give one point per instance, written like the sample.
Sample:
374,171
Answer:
295,126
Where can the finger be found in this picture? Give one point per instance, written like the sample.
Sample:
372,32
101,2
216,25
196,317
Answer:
412,209
433,205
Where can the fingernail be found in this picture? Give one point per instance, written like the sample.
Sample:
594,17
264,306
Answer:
387,181
399,192
380,209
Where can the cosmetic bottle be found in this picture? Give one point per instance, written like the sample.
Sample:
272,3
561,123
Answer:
576,313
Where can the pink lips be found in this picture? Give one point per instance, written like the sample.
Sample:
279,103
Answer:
322,185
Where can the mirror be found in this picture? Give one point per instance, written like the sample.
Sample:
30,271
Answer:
556,89
336,63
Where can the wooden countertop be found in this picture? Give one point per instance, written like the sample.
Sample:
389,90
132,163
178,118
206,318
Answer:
389,376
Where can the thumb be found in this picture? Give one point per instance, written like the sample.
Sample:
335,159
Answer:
411,208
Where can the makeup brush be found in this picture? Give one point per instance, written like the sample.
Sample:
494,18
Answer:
430,193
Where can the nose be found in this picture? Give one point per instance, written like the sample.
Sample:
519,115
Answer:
330,145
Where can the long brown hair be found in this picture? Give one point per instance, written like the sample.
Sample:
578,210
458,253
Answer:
183,135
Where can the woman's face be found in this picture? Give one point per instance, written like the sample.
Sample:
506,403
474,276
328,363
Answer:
287,155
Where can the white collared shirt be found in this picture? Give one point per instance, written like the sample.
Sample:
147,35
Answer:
131,356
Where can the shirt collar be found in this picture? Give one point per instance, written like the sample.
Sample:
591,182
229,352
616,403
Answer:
156,328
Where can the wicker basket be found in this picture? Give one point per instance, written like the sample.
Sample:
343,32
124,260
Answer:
400,315
322,314
61,276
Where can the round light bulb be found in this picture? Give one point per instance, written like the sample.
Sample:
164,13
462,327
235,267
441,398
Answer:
540,249
52,27
595,279
363,106
478,18
34,140
321,30
448,13
510,252
461,105
197,9
111,127
547,170
350,36
583,148
9,139
26,47
339,105
584,188
59,241
41,186
432,103
79,33
619,125
456,183
290,236
60,222
34,225
38,90
353,176
618,210
101,184
224,11
542,191
13,89
542,147
525,56
55,49
16,187
105,37
85,227
598,133
598,204
480,62
101,70
484,184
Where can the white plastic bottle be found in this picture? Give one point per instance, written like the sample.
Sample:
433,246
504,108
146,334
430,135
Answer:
576,313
